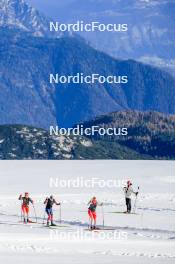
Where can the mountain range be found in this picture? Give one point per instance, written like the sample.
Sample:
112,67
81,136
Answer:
151,33
29,53
27,97
150,135
20,15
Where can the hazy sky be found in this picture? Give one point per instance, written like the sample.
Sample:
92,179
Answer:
49,7
49,3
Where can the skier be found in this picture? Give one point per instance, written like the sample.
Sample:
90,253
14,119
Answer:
92,211
128,190
26,200
49,202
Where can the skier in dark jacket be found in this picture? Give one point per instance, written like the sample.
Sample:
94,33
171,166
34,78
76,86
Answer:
49,202
26,200
92,211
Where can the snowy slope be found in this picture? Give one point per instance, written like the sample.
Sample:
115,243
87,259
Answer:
147,237
19,14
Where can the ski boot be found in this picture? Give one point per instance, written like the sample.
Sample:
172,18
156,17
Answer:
29,221
52,224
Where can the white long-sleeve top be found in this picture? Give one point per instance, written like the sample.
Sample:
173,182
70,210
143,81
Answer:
128,191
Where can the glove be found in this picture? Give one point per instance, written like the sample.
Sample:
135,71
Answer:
136,193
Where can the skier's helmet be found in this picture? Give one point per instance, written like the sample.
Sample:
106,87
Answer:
129,183
51,197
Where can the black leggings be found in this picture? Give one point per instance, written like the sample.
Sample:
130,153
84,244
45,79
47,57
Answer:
128,204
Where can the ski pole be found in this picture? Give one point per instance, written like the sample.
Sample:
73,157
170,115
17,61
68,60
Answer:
135,204
103,216
60,214
21,210
35,213
44,216
89,223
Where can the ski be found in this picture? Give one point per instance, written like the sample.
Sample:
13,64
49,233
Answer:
56,226
92,230
28,223
101,229
118,212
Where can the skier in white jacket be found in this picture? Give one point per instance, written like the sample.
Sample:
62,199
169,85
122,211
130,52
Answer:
128,190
